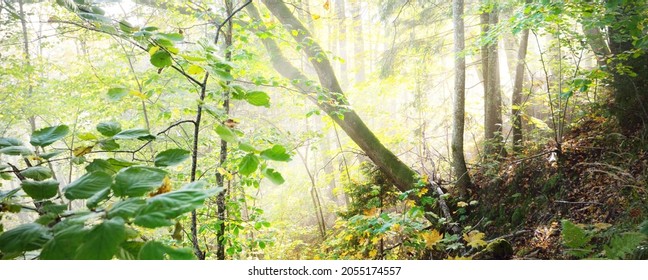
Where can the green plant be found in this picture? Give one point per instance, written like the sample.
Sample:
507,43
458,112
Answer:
581,241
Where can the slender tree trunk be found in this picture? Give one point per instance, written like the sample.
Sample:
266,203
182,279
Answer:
516,96
358,44
458,160
340,13
492,90
220,180
28,64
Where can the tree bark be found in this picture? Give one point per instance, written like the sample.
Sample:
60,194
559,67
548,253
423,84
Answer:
492,90
358,43
340,13
516,96
458,160
220,180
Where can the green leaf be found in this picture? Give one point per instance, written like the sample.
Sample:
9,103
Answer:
61,246
623,244
102,242
48,135
109,128
171,36
95,17
247,147
161,59
98,197
258,98
277,153
24,238
154,250
16,151
117,93
101,165
137,181
39,190
88,185
248,164
222,74
226,134
126,208
108,145
139,133
573,236
51,154
126,26
274,176
161,209
171,157
7,142
38,173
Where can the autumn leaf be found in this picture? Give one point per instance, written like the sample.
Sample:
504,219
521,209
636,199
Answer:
431,238
80,151
461,204
474,239
373,253
602,226
164,188
370,212
327,5
138,94
315,16
457,258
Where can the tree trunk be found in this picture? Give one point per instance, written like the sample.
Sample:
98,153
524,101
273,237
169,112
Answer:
398,172
340,14
458,160
220,180
516,96
492,90
358,44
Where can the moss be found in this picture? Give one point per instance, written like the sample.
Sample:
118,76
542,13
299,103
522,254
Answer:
498,249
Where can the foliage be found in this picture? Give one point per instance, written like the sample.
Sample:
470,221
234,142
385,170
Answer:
119,206
620,244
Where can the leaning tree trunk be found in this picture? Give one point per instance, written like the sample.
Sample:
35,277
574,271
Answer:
401,175
459,108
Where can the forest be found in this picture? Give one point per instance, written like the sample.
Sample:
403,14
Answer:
323,129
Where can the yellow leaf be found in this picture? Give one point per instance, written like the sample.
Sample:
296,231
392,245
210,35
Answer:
348,237
138,94
474,239
459,258
373,253
370,212
396,227
461,204
422,192
315,16
294,32
173,50
602,226
327,5
164,188
195,70
225,173
82,151
431,238
153,50
425,178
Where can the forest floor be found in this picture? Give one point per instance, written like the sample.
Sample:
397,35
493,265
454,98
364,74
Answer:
599,183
